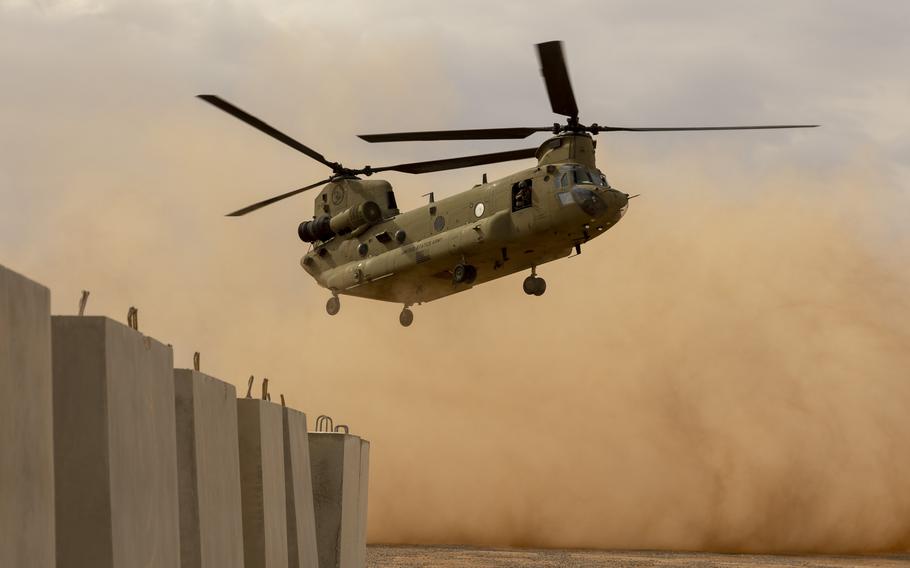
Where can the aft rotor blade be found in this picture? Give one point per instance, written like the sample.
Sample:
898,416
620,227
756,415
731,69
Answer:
463,162
267,129
472,134
556,76
688,128
269,201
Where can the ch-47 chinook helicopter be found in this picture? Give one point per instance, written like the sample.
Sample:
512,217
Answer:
362,245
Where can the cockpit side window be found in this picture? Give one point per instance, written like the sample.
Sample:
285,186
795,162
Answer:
598,178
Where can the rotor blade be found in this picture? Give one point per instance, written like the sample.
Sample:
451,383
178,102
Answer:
685,128
556,76
463,162
263,127
473,134
271,200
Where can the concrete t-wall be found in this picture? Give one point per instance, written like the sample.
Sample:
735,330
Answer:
299,492
336,464
262,485
362,501
26,424
114,446
208,465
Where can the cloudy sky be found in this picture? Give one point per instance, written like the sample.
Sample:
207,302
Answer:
726,369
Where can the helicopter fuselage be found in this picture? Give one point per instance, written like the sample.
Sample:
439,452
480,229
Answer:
362,245
498,228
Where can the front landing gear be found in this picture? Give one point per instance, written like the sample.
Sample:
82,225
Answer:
534,285
333,306
406,317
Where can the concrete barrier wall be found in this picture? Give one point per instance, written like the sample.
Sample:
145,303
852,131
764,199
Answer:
336,462
299,492
26,426
208,465
93,424
114,446
262,483
362,501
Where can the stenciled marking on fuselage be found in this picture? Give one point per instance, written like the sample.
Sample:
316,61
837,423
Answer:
414,247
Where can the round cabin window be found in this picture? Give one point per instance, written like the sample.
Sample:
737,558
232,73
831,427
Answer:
478,210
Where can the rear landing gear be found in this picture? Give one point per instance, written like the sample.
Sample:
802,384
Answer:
333,306
534,285
464,273
407,317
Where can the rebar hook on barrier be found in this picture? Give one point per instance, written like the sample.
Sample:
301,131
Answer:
340,426
132,318
83,302
321,423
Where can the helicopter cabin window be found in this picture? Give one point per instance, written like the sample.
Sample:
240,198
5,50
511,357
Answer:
521,195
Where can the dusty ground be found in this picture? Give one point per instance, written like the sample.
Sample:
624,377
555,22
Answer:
451,557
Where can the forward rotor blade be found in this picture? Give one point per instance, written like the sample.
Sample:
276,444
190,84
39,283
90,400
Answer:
686,128
269,201
473,134
267,129
556,76
463,162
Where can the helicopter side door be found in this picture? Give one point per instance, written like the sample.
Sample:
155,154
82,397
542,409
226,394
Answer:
529,211
522,204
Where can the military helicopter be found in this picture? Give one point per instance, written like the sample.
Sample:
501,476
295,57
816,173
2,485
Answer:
362,245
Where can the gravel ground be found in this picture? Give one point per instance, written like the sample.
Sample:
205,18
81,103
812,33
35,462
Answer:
379,556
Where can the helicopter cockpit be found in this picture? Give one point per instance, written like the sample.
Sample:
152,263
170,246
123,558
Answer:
586,187
573,175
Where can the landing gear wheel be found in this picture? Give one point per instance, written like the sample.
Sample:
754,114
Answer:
407,317
534,286
333,306
464,273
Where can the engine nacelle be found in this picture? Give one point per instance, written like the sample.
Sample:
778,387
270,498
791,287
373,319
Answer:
324,228
316,230
366,213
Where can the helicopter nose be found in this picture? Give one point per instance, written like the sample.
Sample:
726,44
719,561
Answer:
618,199
600,203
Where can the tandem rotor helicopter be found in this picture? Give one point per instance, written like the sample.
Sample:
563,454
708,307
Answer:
362,245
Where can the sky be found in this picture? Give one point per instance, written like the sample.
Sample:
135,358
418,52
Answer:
726,369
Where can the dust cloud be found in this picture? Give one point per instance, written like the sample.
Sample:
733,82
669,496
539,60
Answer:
715,375
719,372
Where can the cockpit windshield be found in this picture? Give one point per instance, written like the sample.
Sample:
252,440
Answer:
578,175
